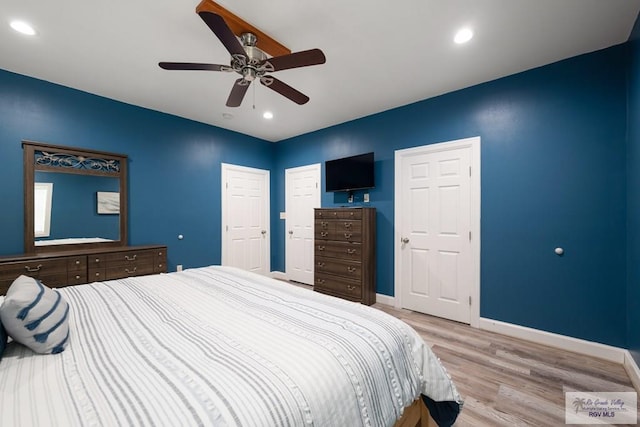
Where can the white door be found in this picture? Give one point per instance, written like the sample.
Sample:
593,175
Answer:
302,196
437,229
245,218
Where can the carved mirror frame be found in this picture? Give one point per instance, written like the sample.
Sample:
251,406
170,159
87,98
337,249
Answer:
58,158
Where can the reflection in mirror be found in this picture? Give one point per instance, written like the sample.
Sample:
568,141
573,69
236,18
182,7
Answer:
76,214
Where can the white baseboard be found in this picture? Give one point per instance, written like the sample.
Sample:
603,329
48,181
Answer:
632,369
589,348
279,275
385,299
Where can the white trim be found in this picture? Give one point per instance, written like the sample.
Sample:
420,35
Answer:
386,299
474,144
589,348
632,369
280,275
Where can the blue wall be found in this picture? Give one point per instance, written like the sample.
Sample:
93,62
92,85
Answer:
553,174
633,198
174,164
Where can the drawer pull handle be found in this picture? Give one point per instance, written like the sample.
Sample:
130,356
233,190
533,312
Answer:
324,224
321,248
347,225
128,258
97,260
320,281
351,251
349,287
33,270
98,274
159,265
347,235
319,213
159,253
351,269
335,214
321,264
126,270
324,233
77,277
77,262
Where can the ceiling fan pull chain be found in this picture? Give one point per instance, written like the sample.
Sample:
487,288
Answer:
254,97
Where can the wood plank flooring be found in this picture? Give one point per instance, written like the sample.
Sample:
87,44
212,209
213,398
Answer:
509,382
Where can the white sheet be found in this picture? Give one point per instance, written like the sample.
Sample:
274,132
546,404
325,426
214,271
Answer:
218,346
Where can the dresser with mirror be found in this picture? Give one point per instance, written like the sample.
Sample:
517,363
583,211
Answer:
75,220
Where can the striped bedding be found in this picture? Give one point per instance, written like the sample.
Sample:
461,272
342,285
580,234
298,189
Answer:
217,346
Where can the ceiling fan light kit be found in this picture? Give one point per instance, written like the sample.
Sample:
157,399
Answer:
247,57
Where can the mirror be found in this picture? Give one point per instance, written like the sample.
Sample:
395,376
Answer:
74,198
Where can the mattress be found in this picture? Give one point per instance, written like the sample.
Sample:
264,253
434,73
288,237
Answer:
217,346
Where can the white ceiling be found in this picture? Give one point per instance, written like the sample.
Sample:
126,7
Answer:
380,55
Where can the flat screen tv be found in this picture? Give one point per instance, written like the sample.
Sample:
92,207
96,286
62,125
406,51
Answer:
349,173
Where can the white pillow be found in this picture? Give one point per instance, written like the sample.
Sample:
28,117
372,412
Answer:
36,316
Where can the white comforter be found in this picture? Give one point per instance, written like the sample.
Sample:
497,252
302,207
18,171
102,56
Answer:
217,346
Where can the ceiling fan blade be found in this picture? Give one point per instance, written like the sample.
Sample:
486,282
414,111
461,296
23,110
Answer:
295,60
193,66
237,93
284,90
223,32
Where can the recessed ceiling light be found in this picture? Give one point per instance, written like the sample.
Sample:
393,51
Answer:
268,115
463,36
23,27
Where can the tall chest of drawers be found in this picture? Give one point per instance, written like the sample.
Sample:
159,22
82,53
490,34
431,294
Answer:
344,253
84,266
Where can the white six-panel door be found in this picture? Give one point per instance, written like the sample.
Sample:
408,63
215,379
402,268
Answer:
245,218
437,220
302,196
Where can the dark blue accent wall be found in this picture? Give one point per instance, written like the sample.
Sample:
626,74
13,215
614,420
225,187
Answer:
633,198
553,174
174,164
74,206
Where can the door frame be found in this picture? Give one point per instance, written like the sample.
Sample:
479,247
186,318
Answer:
474,144
266,174
317,168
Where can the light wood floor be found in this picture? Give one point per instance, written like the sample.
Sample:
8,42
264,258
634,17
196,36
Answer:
509,382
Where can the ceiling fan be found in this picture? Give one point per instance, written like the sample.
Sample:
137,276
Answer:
251,62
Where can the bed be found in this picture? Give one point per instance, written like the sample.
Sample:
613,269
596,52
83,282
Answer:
218,346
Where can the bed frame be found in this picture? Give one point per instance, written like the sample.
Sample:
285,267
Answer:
415,415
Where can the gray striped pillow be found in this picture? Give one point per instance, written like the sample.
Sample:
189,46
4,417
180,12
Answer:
36,316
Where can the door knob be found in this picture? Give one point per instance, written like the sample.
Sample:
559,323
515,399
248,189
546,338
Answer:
404,240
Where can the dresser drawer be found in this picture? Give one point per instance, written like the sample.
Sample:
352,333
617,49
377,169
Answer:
77,264
344,268
77,277
326,213
96,274
121,271
129,258
344,250
349,214
37,268
334,285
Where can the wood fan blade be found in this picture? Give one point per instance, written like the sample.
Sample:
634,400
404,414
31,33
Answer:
193,66
237,93
284,90
222,31
296,59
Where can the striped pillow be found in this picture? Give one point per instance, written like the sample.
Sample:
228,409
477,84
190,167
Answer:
36,316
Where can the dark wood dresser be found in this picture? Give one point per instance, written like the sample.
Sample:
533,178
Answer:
345,261
75,267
